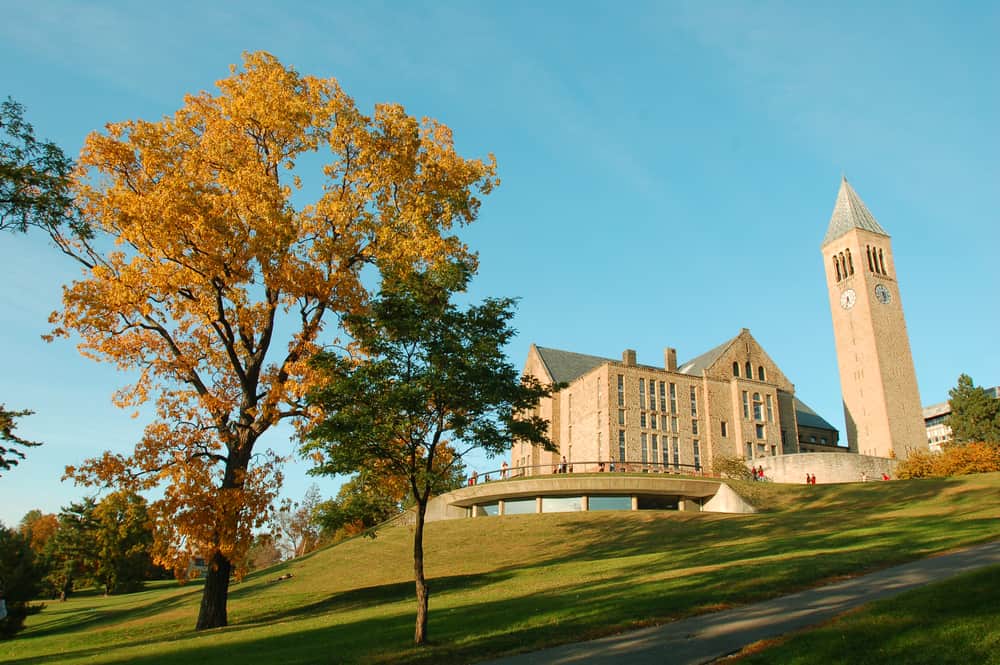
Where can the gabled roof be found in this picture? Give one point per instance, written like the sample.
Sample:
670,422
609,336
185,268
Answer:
850,212
697,365
809,418
565,366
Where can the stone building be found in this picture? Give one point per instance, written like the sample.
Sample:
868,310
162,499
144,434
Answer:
878,382
622,415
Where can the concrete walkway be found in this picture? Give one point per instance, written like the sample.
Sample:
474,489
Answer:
704,638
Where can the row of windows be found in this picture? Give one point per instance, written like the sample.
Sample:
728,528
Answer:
653,393
843,264
748,371
758,407
653,442
876,261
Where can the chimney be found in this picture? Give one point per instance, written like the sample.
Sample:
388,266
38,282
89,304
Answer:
628,357
670,359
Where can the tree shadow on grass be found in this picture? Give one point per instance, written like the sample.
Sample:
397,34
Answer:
98,617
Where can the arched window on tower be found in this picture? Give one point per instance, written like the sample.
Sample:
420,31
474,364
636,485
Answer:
850,262
836,267
758,407
760,372
881,262
868,251
749,370
736,368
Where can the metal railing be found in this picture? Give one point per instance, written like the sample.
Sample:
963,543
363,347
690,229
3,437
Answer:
516,472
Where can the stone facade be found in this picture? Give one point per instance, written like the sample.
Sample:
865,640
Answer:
621,415
878,382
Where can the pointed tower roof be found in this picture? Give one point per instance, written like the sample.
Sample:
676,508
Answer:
849,213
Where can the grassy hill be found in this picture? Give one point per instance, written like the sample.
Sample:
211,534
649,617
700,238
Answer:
521,582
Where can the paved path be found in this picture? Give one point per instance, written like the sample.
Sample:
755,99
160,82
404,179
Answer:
704,638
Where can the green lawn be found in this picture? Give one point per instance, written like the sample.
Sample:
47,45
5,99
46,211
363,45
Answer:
952,622
515,583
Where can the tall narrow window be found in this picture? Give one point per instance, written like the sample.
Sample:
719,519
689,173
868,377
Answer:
746,405
621,416
654,440
736,365
675,444
850,262
760,373
663,396
621,445
749,451
673,398
749,370
569,407
645,451
642,419
621,390
836,268
663,422
694,427
760,430
758,412
868,251
652,420
642,393
697,455
694,401
673,424
881,262
666,456
652,395
770,409
724,428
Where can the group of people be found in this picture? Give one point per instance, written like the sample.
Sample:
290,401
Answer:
758,473
474,477
810,479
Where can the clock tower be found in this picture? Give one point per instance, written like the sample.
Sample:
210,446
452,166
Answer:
877,380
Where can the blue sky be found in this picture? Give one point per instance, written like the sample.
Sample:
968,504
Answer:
669,169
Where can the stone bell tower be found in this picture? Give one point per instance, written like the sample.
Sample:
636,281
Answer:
878,383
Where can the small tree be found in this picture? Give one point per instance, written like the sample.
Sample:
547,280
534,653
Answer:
975,413
295,525
430,384
10,443
123,542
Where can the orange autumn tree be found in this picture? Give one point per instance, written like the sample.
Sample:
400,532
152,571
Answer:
206,276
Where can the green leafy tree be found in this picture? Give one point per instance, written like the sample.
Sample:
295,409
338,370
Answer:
10,443
362,503
975,413
71,553
19,580
123,542
431,383
34,177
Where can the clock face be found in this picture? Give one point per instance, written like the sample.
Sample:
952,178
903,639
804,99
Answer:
848,298
882,294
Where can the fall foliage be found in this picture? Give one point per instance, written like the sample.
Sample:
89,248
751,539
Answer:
955,459
208,275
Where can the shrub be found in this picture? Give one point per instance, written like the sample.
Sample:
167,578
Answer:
954,460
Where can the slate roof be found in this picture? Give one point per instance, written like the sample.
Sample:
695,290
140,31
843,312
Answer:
697,365
565,366
809,418
850,212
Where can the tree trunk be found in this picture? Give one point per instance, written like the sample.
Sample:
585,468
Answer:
420,634
216,594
